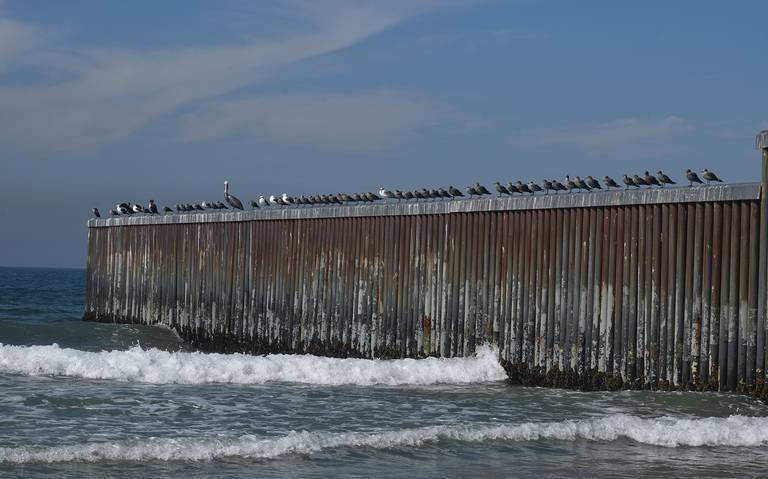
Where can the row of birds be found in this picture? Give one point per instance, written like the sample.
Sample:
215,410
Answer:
577,183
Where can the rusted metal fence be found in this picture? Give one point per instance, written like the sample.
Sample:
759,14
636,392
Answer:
650,288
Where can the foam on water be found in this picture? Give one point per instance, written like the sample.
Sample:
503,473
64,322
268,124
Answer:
732,431
163,367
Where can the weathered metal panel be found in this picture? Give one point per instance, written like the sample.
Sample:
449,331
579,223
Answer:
651,287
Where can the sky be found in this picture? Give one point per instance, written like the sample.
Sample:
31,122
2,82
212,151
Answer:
103,101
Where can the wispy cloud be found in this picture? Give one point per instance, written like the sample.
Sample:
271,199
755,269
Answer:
357,122
632,137
110,94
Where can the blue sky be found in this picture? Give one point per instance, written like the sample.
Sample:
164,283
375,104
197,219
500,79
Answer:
104,101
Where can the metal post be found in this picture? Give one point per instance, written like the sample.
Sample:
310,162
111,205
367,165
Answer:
762,321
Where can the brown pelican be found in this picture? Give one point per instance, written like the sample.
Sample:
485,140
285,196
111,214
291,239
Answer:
692,177
664,179
650,179
501,189
710,176
233,202
610,182
96,212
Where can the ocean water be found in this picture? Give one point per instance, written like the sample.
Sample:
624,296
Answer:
96,400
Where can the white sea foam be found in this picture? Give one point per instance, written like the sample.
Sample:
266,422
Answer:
732,431
163,367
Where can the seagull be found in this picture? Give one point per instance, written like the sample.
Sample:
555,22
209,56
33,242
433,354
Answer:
639,181
288,199
254,204
548,186
569,183
166,209
664,179
692,177
262,202
512,188
137,208
113,213
384,193
522,188
233,202
372,197
152,207
534,187
501,189
556,185
398,194
651,180
582,184
273,200
710,176
593,183
198,207
471,191
221,206
630,182
444,193
610,182
96,212
408,195
454,192
481,190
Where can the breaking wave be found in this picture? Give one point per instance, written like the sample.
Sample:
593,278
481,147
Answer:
163,367
667,432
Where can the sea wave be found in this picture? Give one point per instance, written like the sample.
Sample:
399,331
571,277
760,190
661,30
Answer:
734,431
164,367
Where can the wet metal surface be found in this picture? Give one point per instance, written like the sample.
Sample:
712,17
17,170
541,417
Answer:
651,287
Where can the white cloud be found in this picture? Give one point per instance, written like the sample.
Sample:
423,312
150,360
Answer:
633,137
357,122
110,94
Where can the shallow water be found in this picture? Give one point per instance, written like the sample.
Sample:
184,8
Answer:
94,400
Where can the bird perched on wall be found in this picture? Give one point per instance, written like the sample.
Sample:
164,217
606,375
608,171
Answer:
534,187
152,207
471,191
454,192
398,195
137,209
231,199
650,179
630,182
610,182
556,185
569,183
710,176
113,213
254,204
384,193
501,188
166,209
522,188
262,201
593,183
639,181
548,186
481,190
664,179
692,177
582,184
408,195
512,188
96,212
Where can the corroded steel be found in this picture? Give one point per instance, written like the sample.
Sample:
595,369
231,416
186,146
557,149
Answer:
649,288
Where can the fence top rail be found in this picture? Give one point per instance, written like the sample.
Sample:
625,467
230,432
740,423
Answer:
647,196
